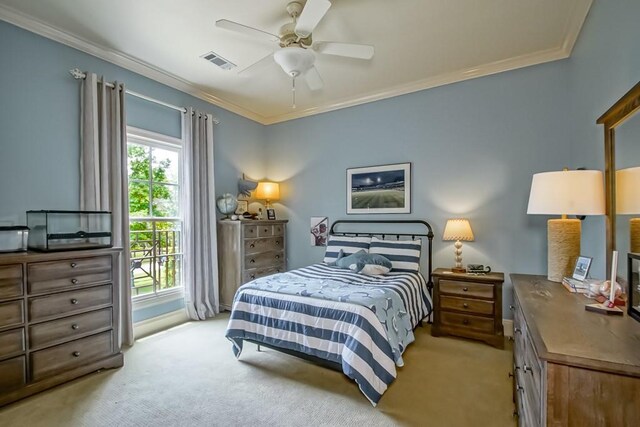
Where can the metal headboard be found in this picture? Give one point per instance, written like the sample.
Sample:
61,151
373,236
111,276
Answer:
429,235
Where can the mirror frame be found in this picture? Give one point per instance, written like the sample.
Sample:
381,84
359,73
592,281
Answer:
619,112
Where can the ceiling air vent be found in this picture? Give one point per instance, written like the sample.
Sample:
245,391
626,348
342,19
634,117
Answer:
216,59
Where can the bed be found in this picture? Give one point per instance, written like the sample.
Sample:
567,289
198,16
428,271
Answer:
351,322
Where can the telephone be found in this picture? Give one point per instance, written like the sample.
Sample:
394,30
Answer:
478,269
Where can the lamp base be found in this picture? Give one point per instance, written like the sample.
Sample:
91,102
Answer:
458,270
634,235
563,247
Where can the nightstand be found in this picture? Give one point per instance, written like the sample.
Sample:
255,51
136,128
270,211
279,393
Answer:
468,305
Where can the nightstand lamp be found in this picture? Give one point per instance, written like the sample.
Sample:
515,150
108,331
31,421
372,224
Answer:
628,202
579,192
458,230
268,191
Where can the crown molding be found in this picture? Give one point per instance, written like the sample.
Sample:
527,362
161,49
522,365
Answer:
572,30
130,63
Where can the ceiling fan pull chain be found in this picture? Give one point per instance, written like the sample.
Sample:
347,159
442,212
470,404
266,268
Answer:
293,92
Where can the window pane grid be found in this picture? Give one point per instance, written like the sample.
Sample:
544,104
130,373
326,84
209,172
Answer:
155,224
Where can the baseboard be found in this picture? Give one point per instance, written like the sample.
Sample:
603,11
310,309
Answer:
156,324
507,324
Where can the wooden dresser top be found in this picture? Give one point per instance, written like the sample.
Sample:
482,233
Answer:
564,332
35,256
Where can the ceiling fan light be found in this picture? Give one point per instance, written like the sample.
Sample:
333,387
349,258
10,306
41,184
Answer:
294,60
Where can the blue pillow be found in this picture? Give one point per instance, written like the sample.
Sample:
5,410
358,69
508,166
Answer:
373,264
346,261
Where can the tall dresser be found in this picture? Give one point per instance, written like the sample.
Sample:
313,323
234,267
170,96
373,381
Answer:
572,367
248,250
58,318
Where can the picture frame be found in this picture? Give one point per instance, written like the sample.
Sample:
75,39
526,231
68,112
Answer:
384,189
581,270
271,214
243,206
319,230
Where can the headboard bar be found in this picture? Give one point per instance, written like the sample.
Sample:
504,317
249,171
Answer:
418,222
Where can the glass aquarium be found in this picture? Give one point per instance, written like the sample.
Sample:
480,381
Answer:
634,286
51,231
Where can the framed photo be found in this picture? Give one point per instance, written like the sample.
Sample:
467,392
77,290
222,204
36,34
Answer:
379,189
319,230
271,214
581,270
243,206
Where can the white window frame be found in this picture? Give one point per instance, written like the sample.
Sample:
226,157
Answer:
157,140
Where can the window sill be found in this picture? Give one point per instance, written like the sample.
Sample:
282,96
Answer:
156,299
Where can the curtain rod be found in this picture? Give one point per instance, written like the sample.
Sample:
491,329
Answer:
79,75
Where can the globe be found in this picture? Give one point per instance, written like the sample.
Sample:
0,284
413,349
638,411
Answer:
227,204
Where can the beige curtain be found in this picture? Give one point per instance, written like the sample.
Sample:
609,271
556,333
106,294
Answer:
198,207
103,175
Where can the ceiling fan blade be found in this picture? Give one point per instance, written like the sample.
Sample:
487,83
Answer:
258,64
250,31
311,15
313,79
350,50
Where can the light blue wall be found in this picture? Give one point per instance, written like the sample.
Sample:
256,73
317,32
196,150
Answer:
39,124
605,64
474,147
39,128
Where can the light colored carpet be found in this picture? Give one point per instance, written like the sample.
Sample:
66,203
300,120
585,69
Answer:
187,376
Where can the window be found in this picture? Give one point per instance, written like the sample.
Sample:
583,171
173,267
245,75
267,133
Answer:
155,222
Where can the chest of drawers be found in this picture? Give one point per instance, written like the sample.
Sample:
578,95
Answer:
58,319
468,306
248,250
571,367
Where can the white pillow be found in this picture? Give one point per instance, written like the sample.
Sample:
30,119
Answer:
373,269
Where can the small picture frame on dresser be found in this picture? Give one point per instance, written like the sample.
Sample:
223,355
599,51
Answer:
271,214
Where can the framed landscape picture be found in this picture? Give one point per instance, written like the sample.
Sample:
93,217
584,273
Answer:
379,189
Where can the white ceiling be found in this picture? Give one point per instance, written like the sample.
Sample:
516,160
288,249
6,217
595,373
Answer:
418,44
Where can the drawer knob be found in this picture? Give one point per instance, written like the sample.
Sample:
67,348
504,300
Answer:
252,261
520,388
253,276
266,229
517,330
510,338
277,256
74,281
253,245
76,354
465,321
74,301
465,305
277,242
75,326
510,374
526,368
465,289
512,307
73,265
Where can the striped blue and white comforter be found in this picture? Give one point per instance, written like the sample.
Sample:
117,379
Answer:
363,323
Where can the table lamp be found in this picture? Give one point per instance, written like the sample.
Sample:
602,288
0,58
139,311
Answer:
579,192
628,202
458,229
268,191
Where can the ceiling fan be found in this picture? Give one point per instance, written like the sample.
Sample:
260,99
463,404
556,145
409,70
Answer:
296,54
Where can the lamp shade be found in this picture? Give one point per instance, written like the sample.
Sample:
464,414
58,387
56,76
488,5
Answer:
458,229
628,191
579,192
268,191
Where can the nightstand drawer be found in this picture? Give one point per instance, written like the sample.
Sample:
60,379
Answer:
466,289
265,230
466,305
65,303
476,323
